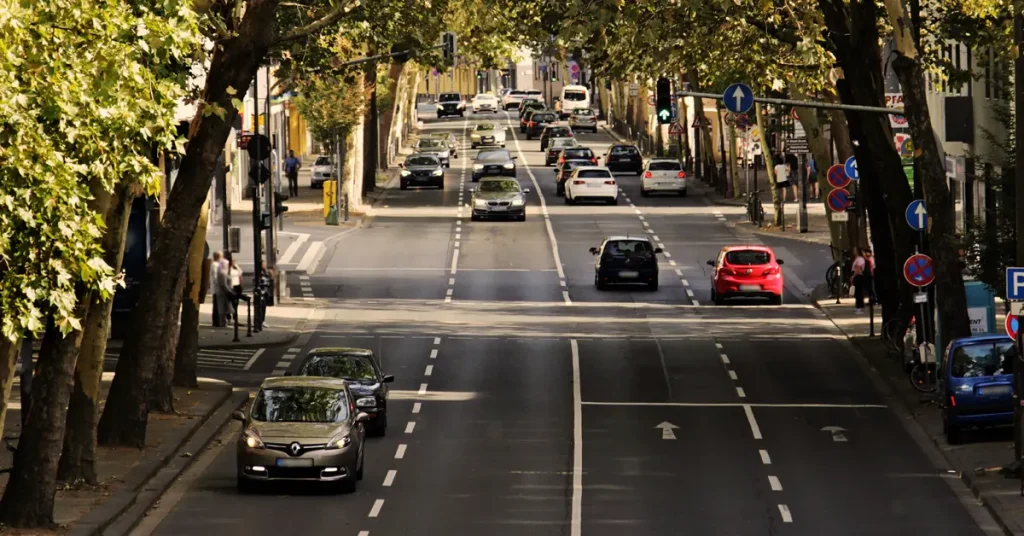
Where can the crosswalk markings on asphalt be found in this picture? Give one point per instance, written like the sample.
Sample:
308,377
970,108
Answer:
286,361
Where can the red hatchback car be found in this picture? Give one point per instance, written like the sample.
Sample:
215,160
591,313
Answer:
746,272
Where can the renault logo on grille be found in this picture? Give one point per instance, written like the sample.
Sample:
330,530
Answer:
295,448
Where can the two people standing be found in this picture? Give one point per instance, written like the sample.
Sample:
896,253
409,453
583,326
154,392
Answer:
784,167
226,285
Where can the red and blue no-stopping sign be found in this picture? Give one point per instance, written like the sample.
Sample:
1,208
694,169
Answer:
837,177
919,270
839,200
1012,325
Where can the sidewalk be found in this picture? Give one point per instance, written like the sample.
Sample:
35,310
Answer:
131,480
978,459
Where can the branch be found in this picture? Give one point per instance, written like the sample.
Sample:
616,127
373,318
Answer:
319,24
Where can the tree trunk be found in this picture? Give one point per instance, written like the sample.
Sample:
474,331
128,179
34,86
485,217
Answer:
707,145
233,65
9,352
370,134
769,164
78,459
187,352
733,163
161,395
726,169
387,118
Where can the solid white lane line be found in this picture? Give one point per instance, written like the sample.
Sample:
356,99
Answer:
696,303
400,453
740,393
577,444
423,389
787,517
429,370
774,481
252,360
765,458
565,296
364,533
390,478
437,340
410,426
725,359
416,407
377,505
752,421
732,375
455,261
433,353
561,282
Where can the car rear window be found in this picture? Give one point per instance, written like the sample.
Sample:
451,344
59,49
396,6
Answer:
575,95
559,143
445,97
558,132
981,359
624,149
748,257
594,174
627,248
583,111
542,117
664,166
579,152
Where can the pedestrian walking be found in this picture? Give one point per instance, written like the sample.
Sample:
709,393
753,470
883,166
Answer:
234,283
291,167
859,280
218,314
782,177
812,176
869,275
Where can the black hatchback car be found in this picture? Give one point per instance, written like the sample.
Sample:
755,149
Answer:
538,122
490,162
553,131
359,367
626,260
450,104
624,158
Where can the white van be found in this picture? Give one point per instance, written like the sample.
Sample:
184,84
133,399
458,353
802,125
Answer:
573,97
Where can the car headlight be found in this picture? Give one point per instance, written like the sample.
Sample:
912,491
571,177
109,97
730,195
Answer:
443,154
366,402
437,173
339,442
477,167
406,173
518,202
252,440
474,137
509,165
479,202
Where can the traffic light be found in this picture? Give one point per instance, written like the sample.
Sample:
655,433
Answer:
259,174
448,46
479,75
554,74
664,108
279,200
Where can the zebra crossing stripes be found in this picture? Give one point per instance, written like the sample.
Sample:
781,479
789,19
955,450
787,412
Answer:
286,361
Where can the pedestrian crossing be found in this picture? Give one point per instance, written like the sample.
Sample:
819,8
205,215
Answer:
222,359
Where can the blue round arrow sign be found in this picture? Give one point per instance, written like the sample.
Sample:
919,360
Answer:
739,98
917,215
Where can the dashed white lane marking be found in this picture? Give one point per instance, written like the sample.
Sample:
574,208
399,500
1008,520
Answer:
718,345
295,350
437,340
638,213
786,516
390,478
447,299
656,239
449,292
252,360
696,303
660,245
288,357
458,236
377,505
433,353
565,296
400,453
689,293
668,256
752,421
429,370
457,244
673,263
774,481
725,359
732,375
641,217
423,389
364,533
416,407
455,261
740,393
683,281
765,458
451,280
410,426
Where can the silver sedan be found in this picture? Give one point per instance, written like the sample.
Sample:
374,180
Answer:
499,198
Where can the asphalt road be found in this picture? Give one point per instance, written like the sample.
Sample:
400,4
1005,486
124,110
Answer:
526,401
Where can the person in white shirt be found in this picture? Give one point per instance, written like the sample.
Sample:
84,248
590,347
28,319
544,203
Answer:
782,176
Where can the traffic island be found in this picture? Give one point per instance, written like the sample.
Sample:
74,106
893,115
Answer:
131,480
979,461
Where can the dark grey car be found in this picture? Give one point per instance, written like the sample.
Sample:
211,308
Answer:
436,147
421,170
494,162
499,197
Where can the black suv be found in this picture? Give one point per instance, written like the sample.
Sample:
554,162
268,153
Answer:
360,369
450,104
625,259
553,131
538,122
624,158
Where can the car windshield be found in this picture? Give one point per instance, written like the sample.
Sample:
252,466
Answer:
624,149
981,359
663,165
487,126
541,118
493,156
558,143
345,366
322,161
748,257
430,144
421,161
575,95
300,404
620,249
583,111
594,174
448,97
555,132
499,186
580,152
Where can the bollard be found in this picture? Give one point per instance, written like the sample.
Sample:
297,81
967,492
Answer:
236,339
248,318
871,317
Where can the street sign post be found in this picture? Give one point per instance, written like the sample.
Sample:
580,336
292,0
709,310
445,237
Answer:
739,98
838,200
850,167
675,129
919,270
1015,284
797,146
917,219
837,177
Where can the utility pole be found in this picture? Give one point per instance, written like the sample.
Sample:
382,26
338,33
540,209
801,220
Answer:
1018,91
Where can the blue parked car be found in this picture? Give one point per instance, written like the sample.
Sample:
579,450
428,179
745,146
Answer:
978,378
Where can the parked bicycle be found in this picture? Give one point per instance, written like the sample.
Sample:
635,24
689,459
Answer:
837,275
755,210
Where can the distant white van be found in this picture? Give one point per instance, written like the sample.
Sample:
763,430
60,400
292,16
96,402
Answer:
573,97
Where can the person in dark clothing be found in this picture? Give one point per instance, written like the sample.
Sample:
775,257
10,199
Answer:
291,168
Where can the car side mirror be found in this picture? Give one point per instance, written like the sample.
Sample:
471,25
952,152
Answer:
238,415
389,378
515,158
593,251
711,263
526,190
362,417
658,250
779,262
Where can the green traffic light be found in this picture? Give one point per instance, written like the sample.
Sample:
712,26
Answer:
664,114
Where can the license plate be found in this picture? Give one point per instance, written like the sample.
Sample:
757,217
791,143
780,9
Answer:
296,462
498,208
594,185
494,168
487,139
995,390
629,275
666,185
750,288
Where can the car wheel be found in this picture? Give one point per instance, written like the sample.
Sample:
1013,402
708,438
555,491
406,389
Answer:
775,300
568,200
559,192
440,185
653,286
682,193
595,130
474,217
245,485
599,284
716,298
523,217
529,137
447,165
473,146
403,185
613,201
502,145
476,179
645,193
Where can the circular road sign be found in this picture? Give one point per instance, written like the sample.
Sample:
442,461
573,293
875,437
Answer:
907,147
574,68
1012,326
258,147
651,100
739,98
850,167
839,200
917,215
918,270
837,177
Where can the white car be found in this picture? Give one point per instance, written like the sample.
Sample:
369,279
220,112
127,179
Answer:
485,102
323,171
487,135
512,99
663,175
591,183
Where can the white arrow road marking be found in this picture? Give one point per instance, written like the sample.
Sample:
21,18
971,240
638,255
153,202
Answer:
837,433
666,430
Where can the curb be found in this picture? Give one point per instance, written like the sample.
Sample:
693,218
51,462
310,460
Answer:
146,483
900,406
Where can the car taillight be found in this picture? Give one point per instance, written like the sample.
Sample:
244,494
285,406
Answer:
577,182
648,175
610,182
681,175
569,135
771,271
531,124
561,160
593,160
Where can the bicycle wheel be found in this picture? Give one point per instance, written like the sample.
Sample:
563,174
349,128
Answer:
892,334
831,274
922,377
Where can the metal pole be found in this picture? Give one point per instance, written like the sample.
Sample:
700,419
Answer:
257,216
804,104
225,207
1018,71
802,214
272,184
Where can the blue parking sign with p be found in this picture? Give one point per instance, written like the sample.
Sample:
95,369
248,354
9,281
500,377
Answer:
1015,284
